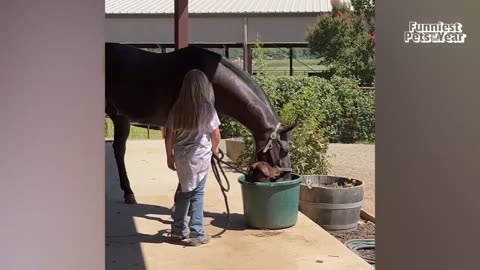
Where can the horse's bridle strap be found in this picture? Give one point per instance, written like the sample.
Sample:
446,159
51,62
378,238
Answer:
273,136
268,146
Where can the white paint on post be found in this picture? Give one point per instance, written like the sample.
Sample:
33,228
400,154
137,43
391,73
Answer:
245,44
52,164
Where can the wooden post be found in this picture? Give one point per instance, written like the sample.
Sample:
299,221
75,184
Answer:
227,52
245,44
181,24
148,132
291,60
250,59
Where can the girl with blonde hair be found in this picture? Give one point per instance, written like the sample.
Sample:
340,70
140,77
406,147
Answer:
192,135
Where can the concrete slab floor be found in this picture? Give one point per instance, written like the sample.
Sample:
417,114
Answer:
134,233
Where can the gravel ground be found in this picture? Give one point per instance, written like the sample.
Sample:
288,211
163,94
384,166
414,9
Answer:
365,230
356,161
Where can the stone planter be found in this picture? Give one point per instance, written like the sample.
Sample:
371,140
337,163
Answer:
234,147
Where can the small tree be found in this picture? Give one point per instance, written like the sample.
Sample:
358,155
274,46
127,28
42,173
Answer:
345,40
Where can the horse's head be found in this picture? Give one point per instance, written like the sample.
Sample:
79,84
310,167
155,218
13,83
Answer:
261,171
275,150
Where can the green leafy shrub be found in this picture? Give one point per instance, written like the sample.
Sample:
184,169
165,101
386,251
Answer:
248,155
230,128
308,149
356,119
328,104
309,145
333,110
108,128
294,99
366,117
349,112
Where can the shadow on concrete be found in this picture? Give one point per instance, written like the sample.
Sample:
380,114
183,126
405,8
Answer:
122,225
122,239
122,246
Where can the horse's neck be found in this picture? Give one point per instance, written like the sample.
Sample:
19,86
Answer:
240,98
261,121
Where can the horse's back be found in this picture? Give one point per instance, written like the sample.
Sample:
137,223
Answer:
142,84
127,63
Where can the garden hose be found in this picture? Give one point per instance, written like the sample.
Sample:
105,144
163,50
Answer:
358,244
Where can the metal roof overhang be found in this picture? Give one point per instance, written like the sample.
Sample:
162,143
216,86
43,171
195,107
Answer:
212,30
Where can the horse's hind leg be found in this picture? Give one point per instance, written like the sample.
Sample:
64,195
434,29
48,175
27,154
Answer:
121,131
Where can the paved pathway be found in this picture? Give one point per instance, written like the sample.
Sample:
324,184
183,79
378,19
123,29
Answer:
134,232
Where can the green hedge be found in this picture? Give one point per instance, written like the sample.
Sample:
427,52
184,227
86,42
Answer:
348,112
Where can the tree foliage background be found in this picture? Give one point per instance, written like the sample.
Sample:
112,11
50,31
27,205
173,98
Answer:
345,40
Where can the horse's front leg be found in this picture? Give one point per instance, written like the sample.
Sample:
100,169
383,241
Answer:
121,132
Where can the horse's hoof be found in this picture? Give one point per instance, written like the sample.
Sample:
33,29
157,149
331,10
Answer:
130,199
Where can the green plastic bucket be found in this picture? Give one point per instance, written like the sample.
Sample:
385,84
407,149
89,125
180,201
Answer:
271,205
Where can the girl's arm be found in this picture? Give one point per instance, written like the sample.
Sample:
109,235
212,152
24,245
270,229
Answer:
169,140
215,140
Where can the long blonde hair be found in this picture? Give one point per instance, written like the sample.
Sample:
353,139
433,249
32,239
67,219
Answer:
195,105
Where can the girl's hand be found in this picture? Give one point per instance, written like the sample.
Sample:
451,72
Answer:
171,163
215,141
169,140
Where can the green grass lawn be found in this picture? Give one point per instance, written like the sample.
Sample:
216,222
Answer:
136,133
282,66
296,63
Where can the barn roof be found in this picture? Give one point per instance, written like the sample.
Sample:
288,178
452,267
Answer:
218,6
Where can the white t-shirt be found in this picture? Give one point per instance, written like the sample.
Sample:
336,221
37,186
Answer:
193,152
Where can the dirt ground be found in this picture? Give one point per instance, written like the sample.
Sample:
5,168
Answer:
356,161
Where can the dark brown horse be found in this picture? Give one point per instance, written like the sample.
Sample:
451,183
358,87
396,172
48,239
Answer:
141,87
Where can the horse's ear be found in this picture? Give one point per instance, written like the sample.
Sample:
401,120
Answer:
288,128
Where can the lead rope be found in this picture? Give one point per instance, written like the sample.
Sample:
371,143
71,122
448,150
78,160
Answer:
217,168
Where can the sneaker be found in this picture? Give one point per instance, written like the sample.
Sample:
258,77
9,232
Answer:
195,242
178,237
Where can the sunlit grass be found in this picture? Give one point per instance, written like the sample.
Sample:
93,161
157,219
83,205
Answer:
136,133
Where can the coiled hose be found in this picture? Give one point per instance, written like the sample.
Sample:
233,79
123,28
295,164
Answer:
358,244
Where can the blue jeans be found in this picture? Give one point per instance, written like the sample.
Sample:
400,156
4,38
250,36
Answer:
183,200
